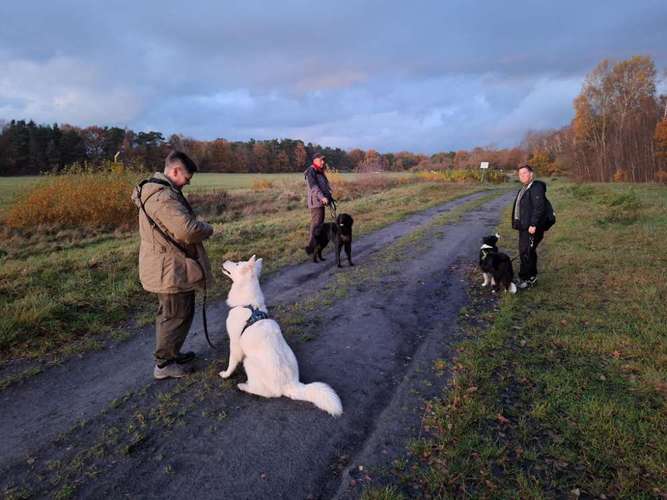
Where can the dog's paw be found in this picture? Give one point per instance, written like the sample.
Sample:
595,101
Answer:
351,264
224,374
484,284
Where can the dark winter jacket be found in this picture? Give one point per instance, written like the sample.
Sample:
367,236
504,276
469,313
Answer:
317,186
531,207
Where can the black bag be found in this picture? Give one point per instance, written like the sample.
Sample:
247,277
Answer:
549,217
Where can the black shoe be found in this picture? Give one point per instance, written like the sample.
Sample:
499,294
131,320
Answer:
184,357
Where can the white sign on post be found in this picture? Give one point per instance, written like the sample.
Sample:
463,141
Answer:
484,164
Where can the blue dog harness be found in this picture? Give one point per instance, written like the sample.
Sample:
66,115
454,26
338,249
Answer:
255,316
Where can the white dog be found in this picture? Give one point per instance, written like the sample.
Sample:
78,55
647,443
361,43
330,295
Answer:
256,340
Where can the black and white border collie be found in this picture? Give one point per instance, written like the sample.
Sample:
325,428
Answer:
496,266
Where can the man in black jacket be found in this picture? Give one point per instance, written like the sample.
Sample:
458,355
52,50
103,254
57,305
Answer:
528,218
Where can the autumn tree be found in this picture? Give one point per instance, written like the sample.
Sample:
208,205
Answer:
615,119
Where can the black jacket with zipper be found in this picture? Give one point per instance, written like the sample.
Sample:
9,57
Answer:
531,207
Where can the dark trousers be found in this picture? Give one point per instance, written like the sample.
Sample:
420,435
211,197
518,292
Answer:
528,253
316,218
174,318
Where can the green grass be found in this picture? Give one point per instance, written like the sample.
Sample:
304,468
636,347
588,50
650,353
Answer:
205,181
58,295
564,393
130,422
10,187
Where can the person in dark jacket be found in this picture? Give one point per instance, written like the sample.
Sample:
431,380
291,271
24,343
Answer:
527,218
318,192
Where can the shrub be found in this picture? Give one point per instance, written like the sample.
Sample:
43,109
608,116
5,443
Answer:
620,176
212,203
363,185
622,208
82,199
461,175
261,184
582,191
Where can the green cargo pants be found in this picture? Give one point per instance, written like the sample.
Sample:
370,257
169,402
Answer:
174,318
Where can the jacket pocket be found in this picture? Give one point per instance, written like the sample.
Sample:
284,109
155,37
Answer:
314,199
180,271
150,268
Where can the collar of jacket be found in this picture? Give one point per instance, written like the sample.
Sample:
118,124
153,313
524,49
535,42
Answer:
162,177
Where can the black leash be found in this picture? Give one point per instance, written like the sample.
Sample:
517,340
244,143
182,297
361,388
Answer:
332,209
532,244
176,244
203,311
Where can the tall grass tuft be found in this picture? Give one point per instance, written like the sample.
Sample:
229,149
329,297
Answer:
77,199
364,185
462,175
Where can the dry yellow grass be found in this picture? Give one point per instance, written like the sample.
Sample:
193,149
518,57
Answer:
82,200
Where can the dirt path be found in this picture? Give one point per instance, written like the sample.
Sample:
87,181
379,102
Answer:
375,345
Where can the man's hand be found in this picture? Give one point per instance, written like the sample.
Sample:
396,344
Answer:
532,229
325,201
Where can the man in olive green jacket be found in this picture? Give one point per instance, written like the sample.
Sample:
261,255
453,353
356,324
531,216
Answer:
172,260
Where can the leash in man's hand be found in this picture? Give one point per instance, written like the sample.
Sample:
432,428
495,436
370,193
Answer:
332,208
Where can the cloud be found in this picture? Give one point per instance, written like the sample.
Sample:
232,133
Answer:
383,74
63,89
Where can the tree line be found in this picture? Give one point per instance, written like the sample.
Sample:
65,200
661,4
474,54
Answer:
27,148
619,129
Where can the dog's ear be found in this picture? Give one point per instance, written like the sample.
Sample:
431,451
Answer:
252,259
258,267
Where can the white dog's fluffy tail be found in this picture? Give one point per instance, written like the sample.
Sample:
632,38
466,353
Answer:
318,393
512,288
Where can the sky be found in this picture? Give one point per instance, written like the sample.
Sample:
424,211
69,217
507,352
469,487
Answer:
422,76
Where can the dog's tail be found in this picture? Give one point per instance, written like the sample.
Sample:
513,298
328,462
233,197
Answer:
318,393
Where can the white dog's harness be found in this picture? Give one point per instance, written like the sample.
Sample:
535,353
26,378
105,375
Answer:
255,316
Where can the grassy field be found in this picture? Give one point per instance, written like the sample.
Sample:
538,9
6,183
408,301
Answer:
563,393
10,187
205,181
59,291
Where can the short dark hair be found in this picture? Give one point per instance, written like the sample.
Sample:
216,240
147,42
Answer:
183,159
526,166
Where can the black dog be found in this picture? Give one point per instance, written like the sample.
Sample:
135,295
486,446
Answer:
496,266
339,231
